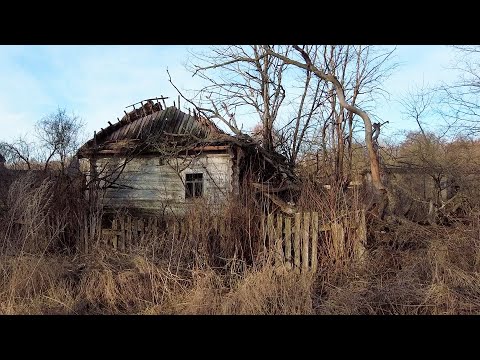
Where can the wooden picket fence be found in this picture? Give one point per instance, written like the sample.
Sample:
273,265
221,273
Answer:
127,231
295,239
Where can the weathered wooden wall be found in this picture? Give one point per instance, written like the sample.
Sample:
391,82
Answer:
151,185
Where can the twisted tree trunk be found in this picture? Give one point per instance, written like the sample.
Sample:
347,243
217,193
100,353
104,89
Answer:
381,193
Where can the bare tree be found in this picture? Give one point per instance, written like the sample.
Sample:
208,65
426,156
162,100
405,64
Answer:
239,77
417,104
459,102
59,135
326,75
360,70
18,152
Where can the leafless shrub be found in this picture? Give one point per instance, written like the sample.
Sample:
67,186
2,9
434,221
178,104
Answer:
43,213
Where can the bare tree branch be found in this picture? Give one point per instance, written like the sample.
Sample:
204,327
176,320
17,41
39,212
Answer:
308,65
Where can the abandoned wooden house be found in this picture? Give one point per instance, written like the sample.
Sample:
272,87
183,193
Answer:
157,160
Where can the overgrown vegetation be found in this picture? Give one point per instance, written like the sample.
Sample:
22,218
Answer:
410,268
422,254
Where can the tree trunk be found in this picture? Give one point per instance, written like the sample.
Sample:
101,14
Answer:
339,171
380,191
267,136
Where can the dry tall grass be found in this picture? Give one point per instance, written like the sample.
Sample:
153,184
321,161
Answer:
410,269
199,274
434,272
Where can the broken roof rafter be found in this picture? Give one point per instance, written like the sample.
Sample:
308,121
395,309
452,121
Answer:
161,123
161,97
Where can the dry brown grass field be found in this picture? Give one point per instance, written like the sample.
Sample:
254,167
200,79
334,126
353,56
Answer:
409,269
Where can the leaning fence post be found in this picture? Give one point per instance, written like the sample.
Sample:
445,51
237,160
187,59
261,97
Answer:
338,239
121,245
314,240
115,234
155,228
296,242
306,240
360,237
279,256
130,228
140,230
270,231
85,234
288,242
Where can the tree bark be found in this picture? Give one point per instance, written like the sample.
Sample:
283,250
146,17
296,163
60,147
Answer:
373,156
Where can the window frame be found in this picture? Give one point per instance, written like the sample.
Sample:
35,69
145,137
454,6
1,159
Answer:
194,185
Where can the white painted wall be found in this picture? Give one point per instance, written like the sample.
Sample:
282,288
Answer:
153,185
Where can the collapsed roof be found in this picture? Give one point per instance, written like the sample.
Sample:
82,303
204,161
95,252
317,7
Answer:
149,122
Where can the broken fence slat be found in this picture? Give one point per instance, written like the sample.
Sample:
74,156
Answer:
115,234
314,240
155,227
279,255
135,231
141,230
338,239
296,242
288,242
270,230
85,234
128,242
360,237
149,230
121,245
305,241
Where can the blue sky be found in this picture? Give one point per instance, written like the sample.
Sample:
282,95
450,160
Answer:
98,82
419,64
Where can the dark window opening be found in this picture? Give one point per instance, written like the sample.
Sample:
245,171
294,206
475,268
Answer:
193,185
